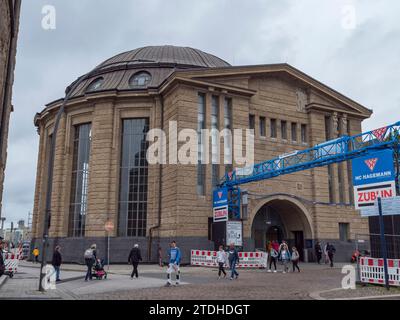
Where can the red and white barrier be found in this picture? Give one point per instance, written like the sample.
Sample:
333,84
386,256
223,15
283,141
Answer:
11,261
207,258
372,271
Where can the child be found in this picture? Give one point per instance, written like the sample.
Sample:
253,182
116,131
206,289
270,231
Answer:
221,260
295,259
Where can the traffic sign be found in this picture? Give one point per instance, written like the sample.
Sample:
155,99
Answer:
390,206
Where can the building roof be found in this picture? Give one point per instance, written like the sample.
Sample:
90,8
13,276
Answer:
158,61
179,56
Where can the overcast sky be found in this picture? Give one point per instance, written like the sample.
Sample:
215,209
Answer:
359,58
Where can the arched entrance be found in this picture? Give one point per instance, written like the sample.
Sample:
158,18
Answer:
282,218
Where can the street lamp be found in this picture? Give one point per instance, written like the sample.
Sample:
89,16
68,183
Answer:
46,225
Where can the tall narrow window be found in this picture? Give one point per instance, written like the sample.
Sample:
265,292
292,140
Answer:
252,121
201,124
262,127
304,133
215,140
79,181
284,130
328,135
344,229
294,131
228,140
133,178
349,170
273,128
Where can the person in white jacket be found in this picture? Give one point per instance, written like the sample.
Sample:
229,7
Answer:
221,260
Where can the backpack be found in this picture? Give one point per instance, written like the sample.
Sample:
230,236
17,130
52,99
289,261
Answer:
274,253
89,254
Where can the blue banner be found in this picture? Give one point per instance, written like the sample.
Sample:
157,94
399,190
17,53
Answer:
220,197
375,168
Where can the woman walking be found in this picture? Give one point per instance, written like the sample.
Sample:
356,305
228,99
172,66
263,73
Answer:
295,259
221,260
284,254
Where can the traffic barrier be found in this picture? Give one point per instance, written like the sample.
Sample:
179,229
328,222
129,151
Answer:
372,271
11,261
207,258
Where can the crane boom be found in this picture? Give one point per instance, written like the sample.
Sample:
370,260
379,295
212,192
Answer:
333,151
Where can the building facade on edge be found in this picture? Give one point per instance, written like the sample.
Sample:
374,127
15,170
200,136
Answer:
101,173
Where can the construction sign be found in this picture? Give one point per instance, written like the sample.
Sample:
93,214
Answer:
373,177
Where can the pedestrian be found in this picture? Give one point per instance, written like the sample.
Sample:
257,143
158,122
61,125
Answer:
56,262
295,259
174,255
326,253
318,252
284,255
221,260
331,251
233,261
134,258
273,255
2,263
36,255
90,258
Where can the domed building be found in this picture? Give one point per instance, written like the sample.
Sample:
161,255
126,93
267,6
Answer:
101,173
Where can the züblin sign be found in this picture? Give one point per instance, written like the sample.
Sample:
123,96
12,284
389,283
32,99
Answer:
220,205
373,177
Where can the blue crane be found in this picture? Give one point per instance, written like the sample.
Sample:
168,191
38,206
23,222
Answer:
329,152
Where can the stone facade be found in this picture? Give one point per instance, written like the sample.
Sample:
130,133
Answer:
278,92
9,22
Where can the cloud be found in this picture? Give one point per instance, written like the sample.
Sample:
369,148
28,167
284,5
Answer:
362,63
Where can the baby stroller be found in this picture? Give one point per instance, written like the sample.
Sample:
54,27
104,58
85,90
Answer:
98,271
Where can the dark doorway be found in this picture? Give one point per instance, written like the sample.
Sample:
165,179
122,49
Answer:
299,243
274,233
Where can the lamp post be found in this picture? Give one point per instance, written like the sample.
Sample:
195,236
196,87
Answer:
47,216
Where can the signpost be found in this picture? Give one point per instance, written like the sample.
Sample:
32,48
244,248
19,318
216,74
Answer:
220,205
234,233
373,177
375,192
109,227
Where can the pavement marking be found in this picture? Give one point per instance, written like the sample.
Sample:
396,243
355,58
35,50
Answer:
317,296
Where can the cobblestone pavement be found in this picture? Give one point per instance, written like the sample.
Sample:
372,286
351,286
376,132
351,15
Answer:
197,284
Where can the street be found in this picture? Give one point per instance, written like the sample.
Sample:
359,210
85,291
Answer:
314,282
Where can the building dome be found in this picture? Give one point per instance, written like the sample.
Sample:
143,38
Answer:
145,68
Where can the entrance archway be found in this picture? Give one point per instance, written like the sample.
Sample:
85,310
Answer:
281,218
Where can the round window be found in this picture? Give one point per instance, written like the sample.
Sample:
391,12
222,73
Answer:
95,84
140,79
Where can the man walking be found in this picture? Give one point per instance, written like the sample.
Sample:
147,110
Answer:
36,255
174,255
134,258
330,249
56,262
233,260
318,252
90,258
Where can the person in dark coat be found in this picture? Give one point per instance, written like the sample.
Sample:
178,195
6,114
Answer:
318,252
2,263
56,262
134,258
331,251
90,258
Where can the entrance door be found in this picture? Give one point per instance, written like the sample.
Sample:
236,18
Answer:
299,243
274,234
